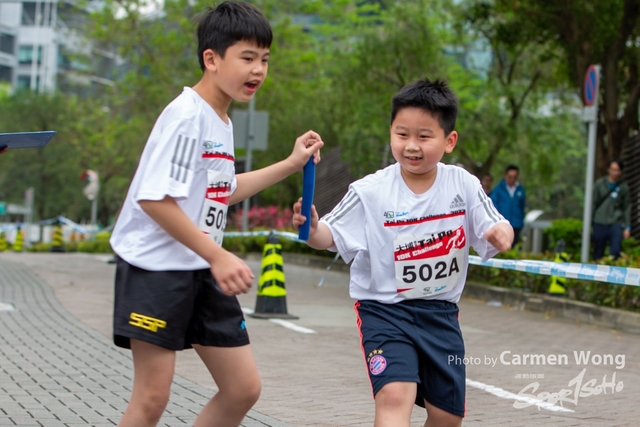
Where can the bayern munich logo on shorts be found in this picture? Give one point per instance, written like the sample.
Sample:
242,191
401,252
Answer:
377,365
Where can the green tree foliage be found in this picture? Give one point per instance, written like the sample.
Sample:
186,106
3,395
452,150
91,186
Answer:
605,32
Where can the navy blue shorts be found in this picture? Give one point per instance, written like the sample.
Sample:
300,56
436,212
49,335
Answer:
174,309
415,341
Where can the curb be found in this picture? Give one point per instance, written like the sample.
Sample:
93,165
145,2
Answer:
621,320
557,306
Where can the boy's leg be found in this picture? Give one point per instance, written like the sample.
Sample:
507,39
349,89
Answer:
153,369
235,372
394,403
440,418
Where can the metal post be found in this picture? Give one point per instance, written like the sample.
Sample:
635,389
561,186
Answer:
588,188
94,211
246,203
590,115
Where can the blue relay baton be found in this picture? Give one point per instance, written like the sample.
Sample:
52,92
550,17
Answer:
308,185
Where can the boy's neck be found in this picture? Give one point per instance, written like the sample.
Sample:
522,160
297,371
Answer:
419,184
216,98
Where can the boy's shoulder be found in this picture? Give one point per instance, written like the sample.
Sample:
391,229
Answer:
374,179
187,106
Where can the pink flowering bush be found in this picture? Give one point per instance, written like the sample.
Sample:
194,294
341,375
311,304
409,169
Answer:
265,217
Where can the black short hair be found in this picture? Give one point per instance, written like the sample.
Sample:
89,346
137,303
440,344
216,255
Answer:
229,23
434,97
618,161
511,168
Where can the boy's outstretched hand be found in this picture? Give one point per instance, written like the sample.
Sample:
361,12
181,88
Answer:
305,146
299,219
500,236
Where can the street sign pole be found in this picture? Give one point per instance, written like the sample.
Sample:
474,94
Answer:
590,115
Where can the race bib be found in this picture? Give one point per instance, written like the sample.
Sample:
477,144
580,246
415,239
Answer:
213,218
429,265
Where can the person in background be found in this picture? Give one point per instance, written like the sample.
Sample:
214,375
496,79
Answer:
4,149
611,211
509,198
487,183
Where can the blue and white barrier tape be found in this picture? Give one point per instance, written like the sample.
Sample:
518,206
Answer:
570,270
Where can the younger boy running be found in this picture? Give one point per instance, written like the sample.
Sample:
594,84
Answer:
407,228
175,286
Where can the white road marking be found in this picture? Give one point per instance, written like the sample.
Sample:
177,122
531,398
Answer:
497,391
5,306
285,323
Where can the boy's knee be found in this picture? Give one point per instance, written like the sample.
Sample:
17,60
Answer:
395,395
154,404
245,396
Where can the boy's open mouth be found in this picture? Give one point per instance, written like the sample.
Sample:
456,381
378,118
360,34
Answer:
251,85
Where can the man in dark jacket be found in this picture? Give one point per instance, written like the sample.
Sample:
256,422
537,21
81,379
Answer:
509,198
611,211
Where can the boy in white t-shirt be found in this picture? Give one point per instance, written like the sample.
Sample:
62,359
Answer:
175,285
407,228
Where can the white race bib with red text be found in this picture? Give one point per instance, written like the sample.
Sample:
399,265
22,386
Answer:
216,203
430,264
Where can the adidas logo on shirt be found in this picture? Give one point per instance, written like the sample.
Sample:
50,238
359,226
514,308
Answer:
457,202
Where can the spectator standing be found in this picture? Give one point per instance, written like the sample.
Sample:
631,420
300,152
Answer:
509,198
611,211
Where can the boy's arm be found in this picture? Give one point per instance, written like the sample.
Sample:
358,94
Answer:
500,236
320,236
231,273
253,182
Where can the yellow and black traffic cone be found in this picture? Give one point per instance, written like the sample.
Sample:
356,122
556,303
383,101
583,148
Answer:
58,244
558,285
271,301
3,242
18,244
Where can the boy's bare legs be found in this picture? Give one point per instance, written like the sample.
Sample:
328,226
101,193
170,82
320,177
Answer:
394,403
153,368
437,417
235,372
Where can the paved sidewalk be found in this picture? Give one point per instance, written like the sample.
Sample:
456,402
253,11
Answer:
57,363
55,371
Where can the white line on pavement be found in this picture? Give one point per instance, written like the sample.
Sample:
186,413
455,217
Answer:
285,323
497,391
5,306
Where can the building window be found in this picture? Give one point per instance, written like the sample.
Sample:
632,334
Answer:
39,17
25,54
7,43
5,73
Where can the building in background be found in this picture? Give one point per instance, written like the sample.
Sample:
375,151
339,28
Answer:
42,49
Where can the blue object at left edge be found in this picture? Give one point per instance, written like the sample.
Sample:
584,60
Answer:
26,139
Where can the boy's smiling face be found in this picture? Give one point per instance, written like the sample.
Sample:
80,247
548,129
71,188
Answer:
242,70
418,141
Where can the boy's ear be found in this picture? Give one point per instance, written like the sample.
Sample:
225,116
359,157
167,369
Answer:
451,141
210,59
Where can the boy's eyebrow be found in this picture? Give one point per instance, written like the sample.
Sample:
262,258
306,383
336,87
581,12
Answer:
253,52
400,127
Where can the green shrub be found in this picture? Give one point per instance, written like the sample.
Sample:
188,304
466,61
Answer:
569,230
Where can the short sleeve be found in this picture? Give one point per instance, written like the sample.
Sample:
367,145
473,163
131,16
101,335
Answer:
171,164
482,216
347,224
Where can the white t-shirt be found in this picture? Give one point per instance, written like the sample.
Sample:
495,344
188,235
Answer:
189,157
411,246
